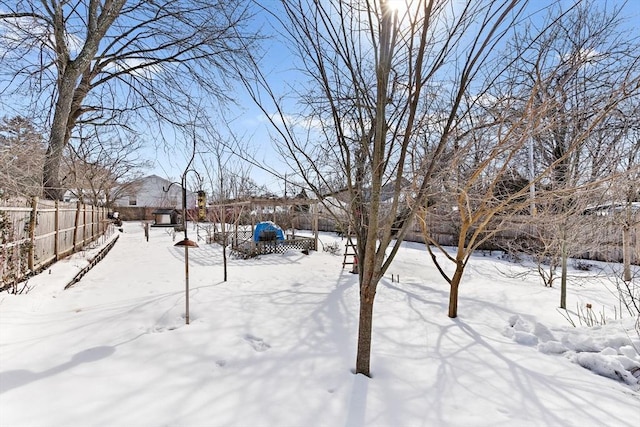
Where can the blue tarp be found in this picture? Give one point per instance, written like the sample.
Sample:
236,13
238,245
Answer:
266,230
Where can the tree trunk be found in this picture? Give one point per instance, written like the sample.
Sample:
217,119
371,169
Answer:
59,137
363,358
64,117
453,293
51,187
224,257
224,261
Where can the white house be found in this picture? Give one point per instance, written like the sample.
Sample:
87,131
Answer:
154,191
88,197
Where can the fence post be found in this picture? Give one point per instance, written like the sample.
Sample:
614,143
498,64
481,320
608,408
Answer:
32,233
84,224
76,226
56,244
101,224
93,223
315,227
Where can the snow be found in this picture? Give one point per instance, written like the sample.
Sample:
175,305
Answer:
275,345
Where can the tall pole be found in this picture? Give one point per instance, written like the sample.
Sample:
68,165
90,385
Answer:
186,247
184,226
186,242
186,282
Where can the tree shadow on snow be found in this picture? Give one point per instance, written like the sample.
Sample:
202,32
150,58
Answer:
20,377
496,372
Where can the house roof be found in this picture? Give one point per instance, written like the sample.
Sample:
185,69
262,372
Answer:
386,192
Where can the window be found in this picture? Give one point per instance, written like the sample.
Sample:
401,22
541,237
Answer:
132,201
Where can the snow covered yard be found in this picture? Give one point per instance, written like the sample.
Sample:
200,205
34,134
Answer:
275,345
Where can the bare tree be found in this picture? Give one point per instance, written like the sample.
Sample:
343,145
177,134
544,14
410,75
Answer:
581,70
228,180
480,191
21,155
100,167
625,190
379,77
100,61
547,130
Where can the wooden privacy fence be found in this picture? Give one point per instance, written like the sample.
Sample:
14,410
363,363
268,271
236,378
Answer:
592,237
598,237
34,233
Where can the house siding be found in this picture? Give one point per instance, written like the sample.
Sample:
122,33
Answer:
151,193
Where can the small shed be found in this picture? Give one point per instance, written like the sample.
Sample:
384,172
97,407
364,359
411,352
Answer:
267,231
165,217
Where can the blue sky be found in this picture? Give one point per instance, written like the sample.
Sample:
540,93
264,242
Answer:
245,118
248,121
252,123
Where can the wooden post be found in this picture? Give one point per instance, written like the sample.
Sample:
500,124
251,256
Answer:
56,243
315,226
105,223
101,221
237,214
84,224
253,223
32,233
294,217
626,252
94,235
76,226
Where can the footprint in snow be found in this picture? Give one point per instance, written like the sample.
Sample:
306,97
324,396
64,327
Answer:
258,344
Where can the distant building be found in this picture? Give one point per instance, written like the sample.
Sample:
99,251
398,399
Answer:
87,197
154,191
612,208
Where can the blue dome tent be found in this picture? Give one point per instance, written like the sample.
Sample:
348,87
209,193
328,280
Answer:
267,231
